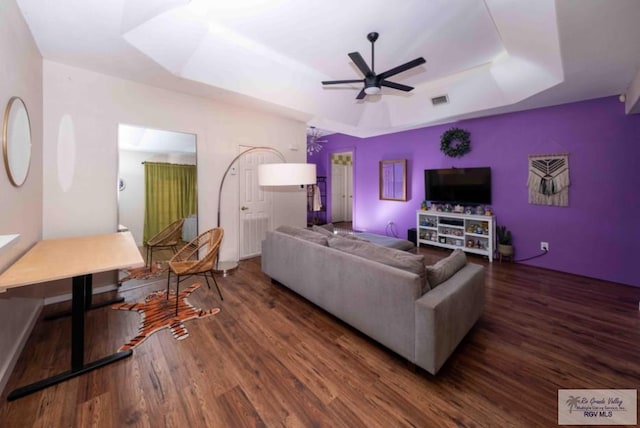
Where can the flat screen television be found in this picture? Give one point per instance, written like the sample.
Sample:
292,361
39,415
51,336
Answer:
458,185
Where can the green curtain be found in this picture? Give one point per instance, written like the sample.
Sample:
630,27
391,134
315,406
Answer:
170,194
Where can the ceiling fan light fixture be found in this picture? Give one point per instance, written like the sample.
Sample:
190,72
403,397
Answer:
372,90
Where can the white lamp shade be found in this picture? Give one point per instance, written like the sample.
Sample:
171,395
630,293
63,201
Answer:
286,174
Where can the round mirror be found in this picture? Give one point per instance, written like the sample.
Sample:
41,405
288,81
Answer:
16,141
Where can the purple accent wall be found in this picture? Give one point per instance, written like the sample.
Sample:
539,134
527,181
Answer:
597,236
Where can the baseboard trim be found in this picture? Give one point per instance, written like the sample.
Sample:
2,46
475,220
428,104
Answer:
9,365
67,297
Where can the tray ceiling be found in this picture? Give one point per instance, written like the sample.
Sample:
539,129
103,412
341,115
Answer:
487,56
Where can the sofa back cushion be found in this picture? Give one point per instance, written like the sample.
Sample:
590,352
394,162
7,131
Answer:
302,233
446,268
388,256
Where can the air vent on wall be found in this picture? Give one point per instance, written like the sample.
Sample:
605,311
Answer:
442,99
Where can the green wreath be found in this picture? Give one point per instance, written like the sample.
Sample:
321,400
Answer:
455,134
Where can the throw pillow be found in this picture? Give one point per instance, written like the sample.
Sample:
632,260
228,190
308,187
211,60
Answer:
306,234
388,256
446,268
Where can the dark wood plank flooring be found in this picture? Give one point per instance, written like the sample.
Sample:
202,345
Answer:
270,358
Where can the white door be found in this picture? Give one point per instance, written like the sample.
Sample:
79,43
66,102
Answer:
256,205
349,193
337,193
341,187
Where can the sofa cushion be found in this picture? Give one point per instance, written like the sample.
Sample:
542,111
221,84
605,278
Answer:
386,241
353,237
446,268
322,230
306,234
327,226
388,256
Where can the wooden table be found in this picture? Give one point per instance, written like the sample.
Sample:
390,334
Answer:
76,258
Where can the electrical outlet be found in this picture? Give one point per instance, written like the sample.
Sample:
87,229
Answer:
544,246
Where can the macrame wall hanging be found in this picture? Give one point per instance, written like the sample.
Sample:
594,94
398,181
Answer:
548,181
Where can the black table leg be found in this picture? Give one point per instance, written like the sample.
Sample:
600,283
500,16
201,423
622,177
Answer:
87,290
81,286
78,305
88,297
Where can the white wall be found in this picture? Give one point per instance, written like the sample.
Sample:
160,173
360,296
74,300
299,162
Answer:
98,103
21,75
131,199
20,207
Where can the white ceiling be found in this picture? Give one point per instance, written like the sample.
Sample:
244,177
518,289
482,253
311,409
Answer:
136,139
488,56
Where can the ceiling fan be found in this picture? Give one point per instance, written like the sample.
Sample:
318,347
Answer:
373,81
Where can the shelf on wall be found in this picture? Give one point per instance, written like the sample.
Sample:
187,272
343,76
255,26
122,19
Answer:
6,240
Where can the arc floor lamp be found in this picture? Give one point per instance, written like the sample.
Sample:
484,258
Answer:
269,174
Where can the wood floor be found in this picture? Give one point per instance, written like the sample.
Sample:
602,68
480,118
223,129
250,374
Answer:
270,358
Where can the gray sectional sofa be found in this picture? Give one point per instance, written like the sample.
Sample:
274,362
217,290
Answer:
384,293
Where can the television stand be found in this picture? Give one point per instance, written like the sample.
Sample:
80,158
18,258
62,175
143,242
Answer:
468,232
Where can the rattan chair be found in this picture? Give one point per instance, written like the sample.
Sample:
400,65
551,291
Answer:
198,257
169,237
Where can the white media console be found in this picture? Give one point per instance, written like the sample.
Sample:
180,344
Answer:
469,232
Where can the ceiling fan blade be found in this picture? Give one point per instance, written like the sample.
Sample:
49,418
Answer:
404,67
361,95
359,62
336,82
396,86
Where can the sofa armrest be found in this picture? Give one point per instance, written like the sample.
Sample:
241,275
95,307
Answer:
445,314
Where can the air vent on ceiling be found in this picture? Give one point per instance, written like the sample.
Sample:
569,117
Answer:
442,99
